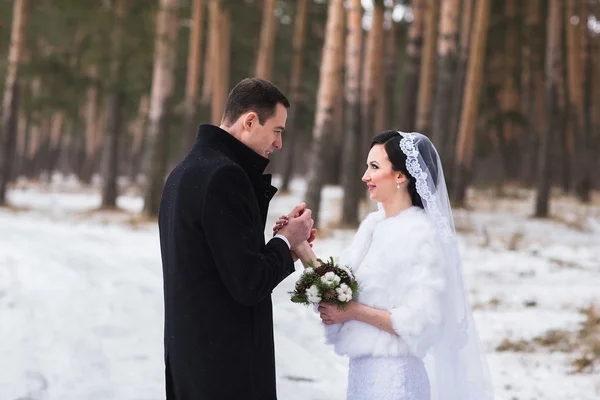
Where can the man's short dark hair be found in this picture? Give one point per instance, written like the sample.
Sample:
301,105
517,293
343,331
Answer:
253,94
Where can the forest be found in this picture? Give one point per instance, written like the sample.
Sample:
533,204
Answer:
113,91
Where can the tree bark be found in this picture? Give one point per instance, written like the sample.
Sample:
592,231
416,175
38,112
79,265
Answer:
391,74
194,69
160,102
93,135
115,101
510,139
138,129
10,107
470,110
535,90
427,75
553,84
371,74
412,66
264,59
351,151
583,177
458,90
329,82
295,81
217,18
57,134
446,61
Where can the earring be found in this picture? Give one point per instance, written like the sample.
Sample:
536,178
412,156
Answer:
398,186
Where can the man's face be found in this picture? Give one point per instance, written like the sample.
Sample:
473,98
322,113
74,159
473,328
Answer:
265,139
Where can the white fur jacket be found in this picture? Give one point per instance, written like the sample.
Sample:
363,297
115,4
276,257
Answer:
398,265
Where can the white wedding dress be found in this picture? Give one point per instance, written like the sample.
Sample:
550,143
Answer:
387,378
385,366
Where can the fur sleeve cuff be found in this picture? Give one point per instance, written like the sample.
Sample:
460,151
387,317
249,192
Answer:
331,333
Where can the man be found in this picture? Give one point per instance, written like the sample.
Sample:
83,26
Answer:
218,272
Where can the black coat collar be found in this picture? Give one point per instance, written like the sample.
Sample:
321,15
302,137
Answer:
253,163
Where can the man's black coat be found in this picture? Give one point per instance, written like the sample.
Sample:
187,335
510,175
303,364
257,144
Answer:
219,273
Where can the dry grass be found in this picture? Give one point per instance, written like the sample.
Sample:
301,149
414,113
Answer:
14,209
491,304
579,223
517,346
584,343
557,340
565,264
530,303
117,215
515,240
589,339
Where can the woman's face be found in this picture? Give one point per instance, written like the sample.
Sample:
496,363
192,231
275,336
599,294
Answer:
381,180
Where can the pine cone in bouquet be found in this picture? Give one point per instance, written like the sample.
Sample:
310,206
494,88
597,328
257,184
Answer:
328,282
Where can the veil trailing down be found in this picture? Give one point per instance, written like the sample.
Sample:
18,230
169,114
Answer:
456,364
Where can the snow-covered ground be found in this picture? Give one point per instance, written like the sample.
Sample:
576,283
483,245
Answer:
81,298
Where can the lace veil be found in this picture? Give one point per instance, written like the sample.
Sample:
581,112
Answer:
456,365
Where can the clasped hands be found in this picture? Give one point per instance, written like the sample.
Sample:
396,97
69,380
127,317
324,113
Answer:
297,227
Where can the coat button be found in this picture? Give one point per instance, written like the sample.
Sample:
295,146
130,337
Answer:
267,194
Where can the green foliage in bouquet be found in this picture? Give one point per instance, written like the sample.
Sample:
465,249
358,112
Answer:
328,283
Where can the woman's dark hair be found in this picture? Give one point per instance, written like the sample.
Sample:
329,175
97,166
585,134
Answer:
391,143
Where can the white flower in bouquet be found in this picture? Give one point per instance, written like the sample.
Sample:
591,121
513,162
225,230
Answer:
344,293
308,270
312,295
330,279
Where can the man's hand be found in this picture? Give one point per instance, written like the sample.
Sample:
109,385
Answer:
299,226
281,222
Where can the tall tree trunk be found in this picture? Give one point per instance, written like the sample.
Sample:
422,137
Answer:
412,66
466,27
116,98
10,108
391,74
193,75
583,177
329,83
226,25
93,135
217,73
138,130
295,80
554,83
510,139
22,139
470,111
34,129
57,134
371,74
447,44
40,156
155,160
427,75
573,115
535,90
351,151
264,59
209,52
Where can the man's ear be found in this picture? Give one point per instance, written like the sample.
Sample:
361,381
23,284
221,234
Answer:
249,120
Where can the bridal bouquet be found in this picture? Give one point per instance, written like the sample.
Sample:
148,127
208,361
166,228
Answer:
328,282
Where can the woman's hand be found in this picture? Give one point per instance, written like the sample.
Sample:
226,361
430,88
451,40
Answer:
331,314
281,222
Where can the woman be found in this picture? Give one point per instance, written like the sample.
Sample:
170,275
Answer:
410,333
